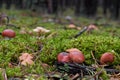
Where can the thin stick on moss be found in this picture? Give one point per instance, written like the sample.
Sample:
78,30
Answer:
94,58
81,32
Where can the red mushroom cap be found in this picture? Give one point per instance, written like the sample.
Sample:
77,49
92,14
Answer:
63,57
8,33
77,56
107,58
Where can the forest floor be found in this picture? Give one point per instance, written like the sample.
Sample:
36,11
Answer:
32,53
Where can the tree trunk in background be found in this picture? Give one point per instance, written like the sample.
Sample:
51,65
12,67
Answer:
55,6
77,7
1,2
61,6
49,2
8,3
115,8
90,7
80,7
106,6
18,4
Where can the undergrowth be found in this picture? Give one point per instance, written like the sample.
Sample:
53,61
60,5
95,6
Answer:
104,40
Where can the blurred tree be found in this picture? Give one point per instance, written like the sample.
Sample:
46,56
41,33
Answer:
52,6
80,7
112,7
115,8
27,4
106,6
1,2
77,7
90,7
8,3
49,5
61,5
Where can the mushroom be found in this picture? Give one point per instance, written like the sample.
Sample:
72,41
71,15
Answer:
76,55
107,57
8,33
63,57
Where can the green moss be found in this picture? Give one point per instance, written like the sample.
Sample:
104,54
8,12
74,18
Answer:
103,40
85,43
16,71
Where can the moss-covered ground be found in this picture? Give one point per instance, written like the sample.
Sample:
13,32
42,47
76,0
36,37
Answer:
45,46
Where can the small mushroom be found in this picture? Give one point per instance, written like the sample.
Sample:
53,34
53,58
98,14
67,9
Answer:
106,58
8,33
71,26
92,27
40,30
76,55
63,57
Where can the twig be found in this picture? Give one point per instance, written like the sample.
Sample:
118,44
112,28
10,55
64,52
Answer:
97,74
74,68
3,74
94,58
75,76
12,25
83,30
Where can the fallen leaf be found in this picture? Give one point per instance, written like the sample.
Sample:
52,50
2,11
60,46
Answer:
115,77
25,56
26,59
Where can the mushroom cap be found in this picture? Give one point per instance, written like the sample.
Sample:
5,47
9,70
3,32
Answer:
72,50
8,33
107,57
77,57
63,57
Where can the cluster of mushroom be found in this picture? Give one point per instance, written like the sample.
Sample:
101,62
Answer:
71,55
76,56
